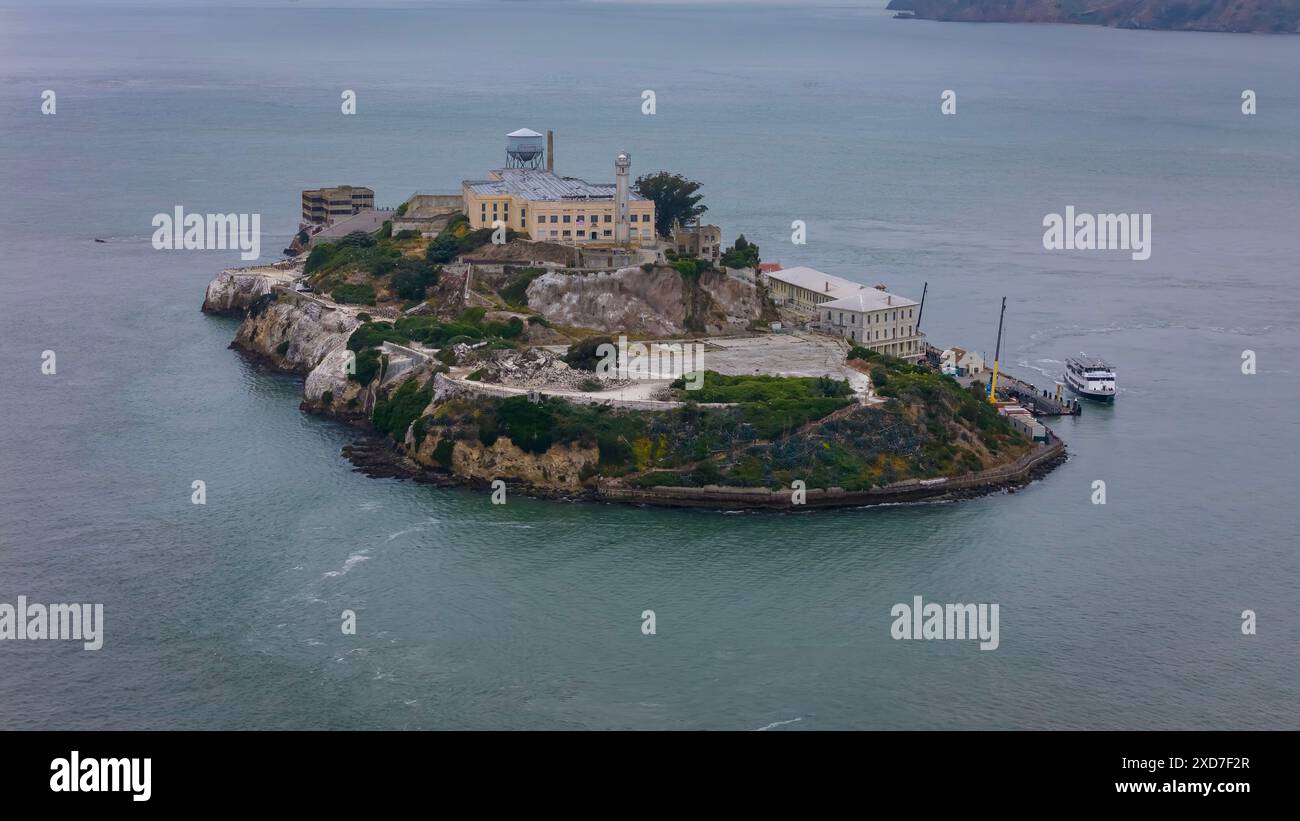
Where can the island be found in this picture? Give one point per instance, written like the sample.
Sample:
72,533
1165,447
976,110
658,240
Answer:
1276,16
649,369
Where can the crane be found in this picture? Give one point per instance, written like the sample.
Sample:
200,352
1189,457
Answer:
993,383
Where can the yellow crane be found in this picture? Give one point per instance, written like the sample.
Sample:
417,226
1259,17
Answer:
997,352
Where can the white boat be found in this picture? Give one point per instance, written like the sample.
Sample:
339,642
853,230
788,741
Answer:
1091,378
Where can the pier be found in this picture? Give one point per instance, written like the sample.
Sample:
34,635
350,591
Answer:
1038,402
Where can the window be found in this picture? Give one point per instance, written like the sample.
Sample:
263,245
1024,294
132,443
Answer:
608,233
567,218
555,233
554,219
595,218
582,234
853,319
541,218
581,219
568,233
609,218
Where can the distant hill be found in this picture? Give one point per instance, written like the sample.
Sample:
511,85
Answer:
1281,16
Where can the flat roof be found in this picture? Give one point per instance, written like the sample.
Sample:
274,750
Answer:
537,184
819,281
845,295
869,299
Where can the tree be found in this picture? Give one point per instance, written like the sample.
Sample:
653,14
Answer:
444,248
674,198
744,254
412,277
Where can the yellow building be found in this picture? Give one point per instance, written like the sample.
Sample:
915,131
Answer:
545,206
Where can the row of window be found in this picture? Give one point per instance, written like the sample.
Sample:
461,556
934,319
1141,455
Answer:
853,317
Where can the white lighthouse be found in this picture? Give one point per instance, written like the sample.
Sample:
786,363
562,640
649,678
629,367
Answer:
622,165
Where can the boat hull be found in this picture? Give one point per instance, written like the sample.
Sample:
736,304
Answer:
1096,397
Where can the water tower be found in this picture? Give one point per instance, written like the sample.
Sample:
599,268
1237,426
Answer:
524,149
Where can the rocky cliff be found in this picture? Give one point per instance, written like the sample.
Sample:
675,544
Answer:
232,292
659,302
1279,16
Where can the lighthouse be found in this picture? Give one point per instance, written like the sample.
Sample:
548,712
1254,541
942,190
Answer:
622,165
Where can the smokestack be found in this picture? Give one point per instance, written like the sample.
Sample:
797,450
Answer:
550,150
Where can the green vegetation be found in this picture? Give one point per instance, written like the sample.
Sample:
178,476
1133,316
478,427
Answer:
691,269
394,414
744,254
369,362
357,251
457,239
413,277
349,293
515,292
771,405
582,354
327,397
674,198
442,452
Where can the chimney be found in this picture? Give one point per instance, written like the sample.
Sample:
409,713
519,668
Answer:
828,286
550,150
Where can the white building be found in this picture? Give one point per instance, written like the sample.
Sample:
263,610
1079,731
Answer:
866,316
959,361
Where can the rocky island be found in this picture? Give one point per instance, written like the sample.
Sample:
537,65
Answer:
469,361
1277,16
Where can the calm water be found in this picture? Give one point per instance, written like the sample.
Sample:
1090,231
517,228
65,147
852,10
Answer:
528,615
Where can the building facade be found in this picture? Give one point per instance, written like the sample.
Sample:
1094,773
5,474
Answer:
548,207
866,316
325,206
702,241
537,202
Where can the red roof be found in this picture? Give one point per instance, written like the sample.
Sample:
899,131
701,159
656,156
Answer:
769,267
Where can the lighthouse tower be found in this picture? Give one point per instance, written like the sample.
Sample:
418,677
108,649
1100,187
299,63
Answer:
622,165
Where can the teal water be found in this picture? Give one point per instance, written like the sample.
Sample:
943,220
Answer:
528,615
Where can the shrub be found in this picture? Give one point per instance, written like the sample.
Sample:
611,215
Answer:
363,316
878,378
374,334
529,425
516,291
582,354
444,450
413,277
354,294
442,249
407,233
368,362
395,414
327,398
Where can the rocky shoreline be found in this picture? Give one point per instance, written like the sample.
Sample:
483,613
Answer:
303,335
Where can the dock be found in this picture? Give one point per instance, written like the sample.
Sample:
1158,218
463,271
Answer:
1038,402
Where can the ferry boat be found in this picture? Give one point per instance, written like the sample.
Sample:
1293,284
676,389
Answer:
1090,378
